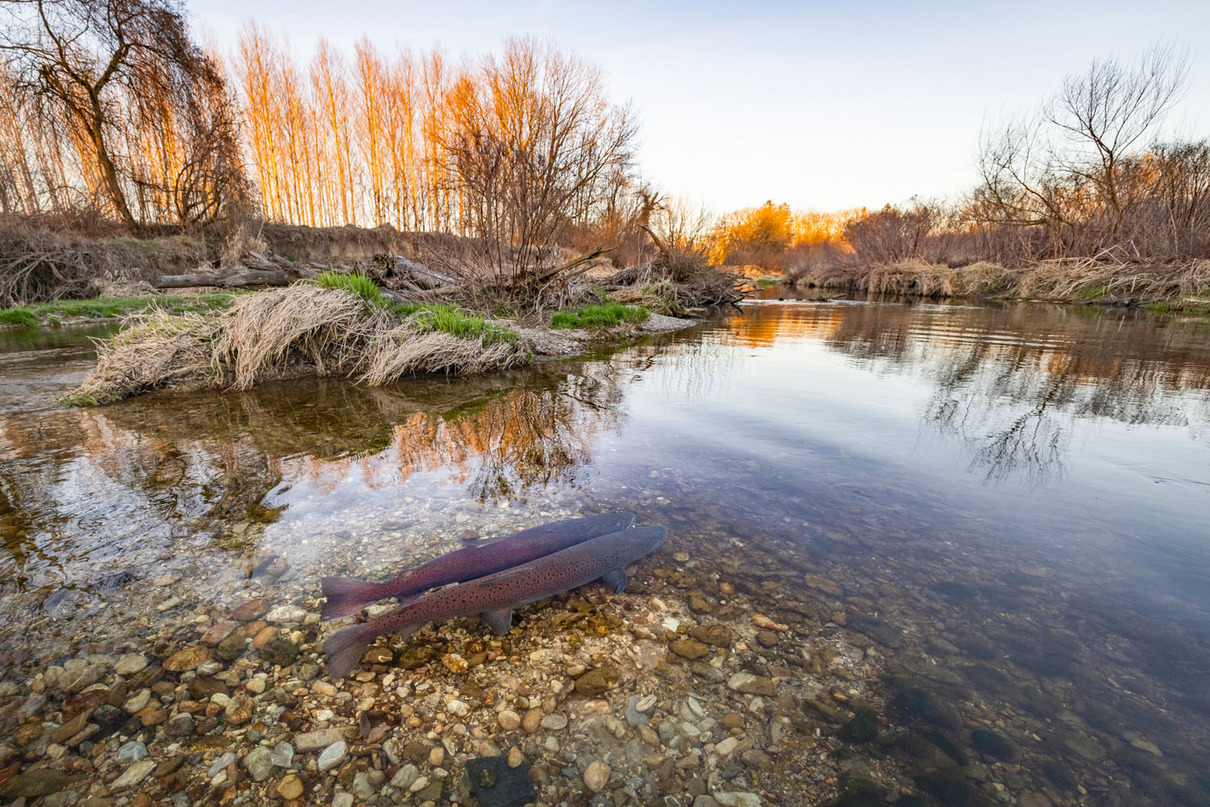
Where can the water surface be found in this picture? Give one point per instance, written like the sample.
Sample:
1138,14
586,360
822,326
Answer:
1010,503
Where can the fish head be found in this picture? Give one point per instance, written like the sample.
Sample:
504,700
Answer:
638,542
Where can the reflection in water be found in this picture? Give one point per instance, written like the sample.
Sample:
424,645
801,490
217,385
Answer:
122,484
1010,382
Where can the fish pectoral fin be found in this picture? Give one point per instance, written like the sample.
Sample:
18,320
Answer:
616,580
499,620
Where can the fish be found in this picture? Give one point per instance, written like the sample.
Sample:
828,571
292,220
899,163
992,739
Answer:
346,596
495,596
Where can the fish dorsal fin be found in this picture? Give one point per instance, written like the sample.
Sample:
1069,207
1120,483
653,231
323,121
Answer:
615,579
499,620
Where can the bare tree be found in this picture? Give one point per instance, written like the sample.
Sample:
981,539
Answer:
1064,169
142,100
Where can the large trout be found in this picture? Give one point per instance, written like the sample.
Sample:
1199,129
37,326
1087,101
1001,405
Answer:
494,597
346,596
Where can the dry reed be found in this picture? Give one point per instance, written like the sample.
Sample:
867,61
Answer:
299,330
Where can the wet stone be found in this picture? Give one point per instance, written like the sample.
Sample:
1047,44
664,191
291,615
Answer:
41,782
596,776
508,720
333,755
130,664
188,658
281,652
290,787
132,751
180,726
737,799
258,763
250,610
597,682
239,710
135,774
713,635
751,684
554,722
689,648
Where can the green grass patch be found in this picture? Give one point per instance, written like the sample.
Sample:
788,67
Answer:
113,307
606,315
456,322
358,283
18,316
765,282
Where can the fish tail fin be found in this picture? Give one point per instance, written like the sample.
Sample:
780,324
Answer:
346,596
345,647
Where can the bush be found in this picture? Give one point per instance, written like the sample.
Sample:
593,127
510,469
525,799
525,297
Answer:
18,316
607,315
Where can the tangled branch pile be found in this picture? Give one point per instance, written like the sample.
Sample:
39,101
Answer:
303,329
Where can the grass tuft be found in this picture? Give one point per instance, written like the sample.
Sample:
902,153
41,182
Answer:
18,316
114,307
456,322
606,315
358,283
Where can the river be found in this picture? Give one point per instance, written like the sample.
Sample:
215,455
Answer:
1004,509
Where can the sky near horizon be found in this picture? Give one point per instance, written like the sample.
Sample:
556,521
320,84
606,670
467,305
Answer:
824,105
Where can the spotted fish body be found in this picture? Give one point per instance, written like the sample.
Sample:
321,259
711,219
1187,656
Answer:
346,596
496,595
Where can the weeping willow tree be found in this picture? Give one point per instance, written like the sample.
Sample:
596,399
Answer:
112,108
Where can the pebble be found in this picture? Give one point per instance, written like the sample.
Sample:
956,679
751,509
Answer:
314,740
239,710
134,774
689,648
362,788
737,799
514,757
286,614
283,754
130,664
436,756
138,702
333,755
259,763
596,776
404,778
419,784
554,722
189,658
290,787
508,720
751,684
342,799
458,708
726,747
532,720
132,751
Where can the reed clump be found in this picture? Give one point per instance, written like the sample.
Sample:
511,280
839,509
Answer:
304,329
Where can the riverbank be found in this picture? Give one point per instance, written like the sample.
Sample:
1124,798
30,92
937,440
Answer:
101,309
1161,288
340,326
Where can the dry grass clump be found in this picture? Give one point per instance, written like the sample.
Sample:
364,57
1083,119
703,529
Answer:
303,329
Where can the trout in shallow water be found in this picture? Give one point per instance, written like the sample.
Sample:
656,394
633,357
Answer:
346,596
494,597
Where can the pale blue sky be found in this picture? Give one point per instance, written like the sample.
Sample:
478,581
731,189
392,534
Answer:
824,105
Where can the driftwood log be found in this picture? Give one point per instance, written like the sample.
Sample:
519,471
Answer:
241,279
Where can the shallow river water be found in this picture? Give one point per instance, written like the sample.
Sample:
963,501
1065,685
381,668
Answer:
982,533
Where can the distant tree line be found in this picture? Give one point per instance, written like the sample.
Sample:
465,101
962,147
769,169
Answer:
109,110
1082,177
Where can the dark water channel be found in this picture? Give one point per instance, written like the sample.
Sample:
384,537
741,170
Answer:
1011,504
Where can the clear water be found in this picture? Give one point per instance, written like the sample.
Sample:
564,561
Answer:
1013,501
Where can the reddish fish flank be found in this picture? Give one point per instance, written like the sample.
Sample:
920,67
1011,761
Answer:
495,596
346,596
